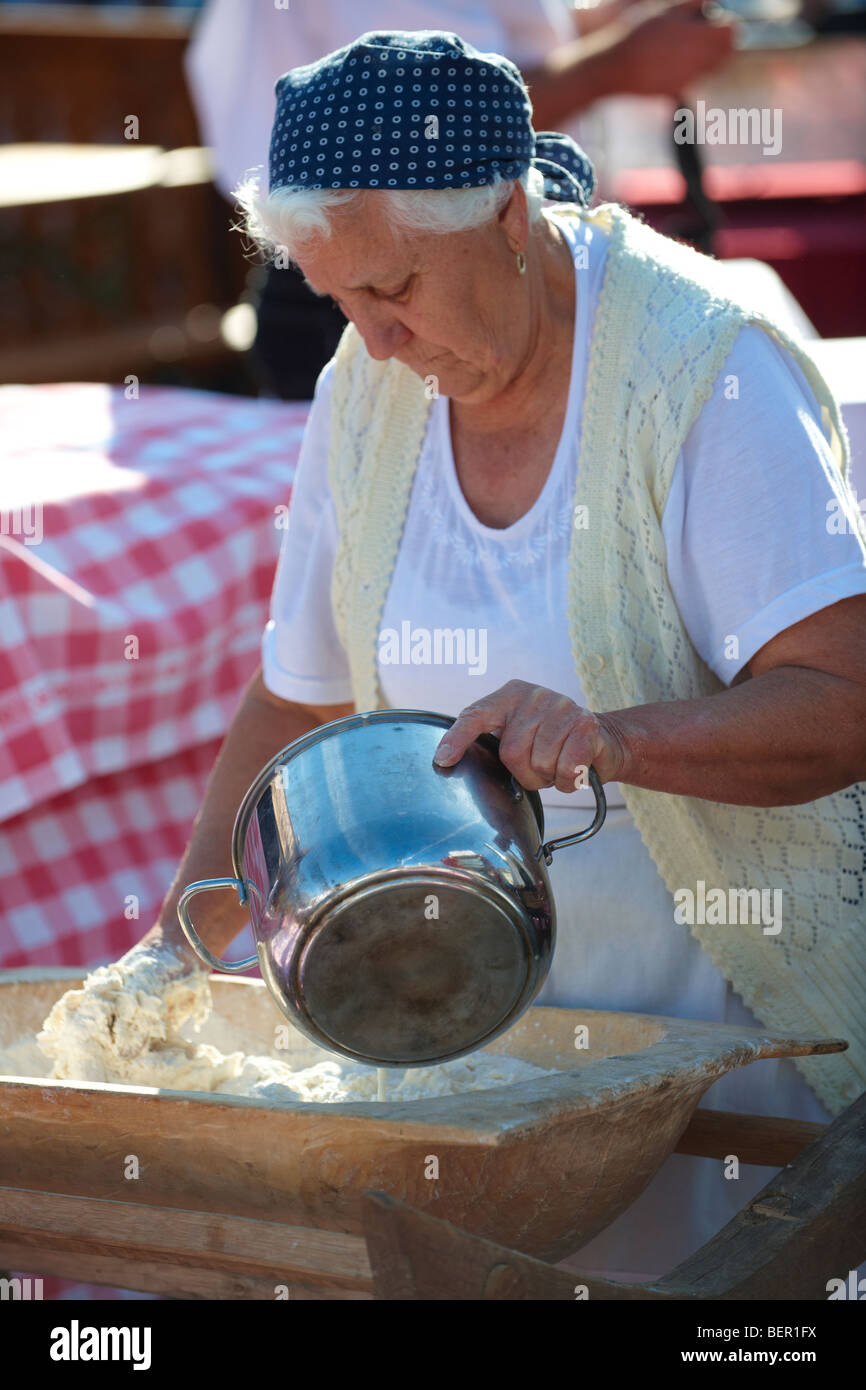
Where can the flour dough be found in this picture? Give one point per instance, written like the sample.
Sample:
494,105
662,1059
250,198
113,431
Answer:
124,1027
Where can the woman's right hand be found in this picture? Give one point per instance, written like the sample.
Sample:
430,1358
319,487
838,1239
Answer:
124,1010
166,943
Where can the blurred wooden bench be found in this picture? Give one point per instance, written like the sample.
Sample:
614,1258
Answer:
116,252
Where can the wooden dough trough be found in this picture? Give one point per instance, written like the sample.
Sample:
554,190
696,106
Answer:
538,1166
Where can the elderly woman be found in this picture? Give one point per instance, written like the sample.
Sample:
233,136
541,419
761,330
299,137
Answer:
551,434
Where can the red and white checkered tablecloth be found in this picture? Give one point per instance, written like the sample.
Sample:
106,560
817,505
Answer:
138,543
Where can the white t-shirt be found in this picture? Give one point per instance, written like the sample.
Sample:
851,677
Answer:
745,526
240,48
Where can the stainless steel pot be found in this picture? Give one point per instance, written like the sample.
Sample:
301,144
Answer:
402,912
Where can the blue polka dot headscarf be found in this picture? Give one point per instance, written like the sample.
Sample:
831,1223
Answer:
415,110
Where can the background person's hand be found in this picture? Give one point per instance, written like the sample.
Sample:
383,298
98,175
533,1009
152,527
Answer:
593,17
664,47
544,738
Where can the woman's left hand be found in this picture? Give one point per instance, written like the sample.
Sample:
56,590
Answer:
546,740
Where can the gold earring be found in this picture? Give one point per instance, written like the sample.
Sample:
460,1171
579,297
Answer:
521,263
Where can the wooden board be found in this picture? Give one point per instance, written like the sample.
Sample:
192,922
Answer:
539,1166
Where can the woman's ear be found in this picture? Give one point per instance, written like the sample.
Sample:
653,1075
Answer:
513,218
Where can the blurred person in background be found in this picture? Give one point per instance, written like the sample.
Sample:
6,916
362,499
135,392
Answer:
570,58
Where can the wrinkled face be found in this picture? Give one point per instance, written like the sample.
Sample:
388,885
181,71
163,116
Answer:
448,305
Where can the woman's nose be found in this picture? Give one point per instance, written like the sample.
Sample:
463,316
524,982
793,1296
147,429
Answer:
383,334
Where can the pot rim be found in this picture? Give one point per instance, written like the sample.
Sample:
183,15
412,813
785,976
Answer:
323,731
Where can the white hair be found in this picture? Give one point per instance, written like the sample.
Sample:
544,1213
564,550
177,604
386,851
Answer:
289,218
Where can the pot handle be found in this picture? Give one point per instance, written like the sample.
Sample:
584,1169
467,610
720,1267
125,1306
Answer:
600,812
192,935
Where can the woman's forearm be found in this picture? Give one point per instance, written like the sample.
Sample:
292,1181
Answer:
259,729
784,737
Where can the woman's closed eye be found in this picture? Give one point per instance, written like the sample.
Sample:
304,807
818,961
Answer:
399,295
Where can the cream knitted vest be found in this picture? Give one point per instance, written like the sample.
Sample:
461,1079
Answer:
664,327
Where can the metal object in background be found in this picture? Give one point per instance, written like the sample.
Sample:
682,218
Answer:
402,912
700,227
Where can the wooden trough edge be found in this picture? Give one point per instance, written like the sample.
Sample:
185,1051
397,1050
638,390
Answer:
806,1226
